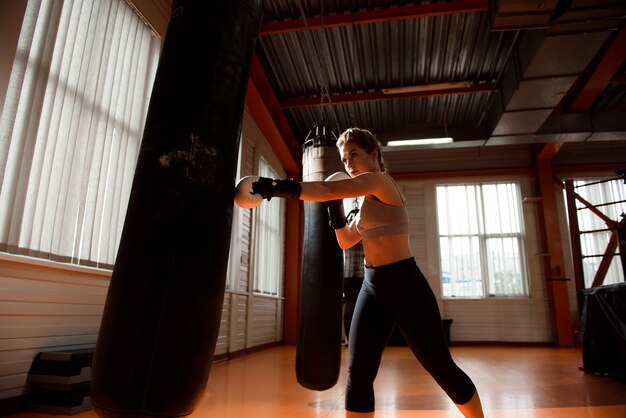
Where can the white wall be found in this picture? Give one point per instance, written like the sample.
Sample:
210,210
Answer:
45,306
493,320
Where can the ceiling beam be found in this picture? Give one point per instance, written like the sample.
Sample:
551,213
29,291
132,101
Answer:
375,16
269,117
380,95
457,174
602,74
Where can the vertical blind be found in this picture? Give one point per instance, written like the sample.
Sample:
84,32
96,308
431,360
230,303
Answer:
71,128
269,241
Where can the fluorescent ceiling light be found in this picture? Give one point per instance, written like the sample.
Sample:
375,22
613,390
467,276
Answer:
425,141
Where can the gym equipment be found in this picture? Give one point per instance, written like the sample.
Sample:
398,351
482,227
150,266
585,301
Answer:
603,322
335,208
318,347
243,193
269,188
163,309
339,175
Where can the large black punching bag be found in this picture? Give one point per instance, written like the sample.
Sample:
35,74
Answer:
163,309
318,347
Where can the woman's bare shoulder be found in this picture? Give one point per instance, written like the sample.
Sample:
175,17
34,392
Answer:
383,187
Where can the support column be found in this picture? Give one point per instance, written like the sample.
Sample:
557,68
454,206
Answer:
556,281
577,259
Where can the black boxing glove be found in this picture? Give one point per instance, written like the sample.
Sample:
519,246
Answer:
269,188
336,214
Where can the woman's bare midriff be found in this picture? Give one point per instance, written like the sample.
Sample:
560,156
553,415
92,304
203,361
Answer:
386,249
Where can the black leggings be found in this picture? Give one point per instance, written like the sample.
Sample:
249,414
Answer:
399,293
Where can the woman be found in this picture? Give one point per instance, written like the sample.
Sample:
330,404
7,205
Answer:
394,289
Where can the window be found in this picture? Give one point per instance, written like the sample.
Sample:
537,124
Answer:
71,128
268,242
609,197
481,240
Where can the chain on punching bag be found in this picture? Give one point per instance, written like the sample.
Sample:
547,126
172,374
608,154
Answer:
162,314
318,349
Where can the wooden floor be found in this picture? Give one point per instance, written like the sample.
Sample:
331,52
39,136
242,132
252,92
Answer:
514,382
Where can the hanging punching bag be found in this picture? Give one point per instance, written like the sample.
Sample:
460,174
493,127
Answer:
318,347
163,309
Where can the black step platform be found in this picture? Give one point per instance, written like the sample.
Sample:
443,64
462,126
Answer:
60,381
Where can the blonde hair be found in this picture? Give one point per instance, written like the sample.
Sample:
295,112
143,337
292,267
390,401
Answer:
363,139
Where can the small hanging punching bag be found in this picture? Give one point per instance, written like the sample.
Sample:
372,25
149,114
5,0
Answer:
318,347
163,309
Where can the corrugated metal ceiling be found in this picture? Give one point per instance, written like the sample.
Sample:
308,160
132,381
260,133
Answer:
344,62
361,58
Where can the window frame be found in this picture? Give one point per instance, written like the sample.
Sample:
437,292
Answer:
591,236
482,236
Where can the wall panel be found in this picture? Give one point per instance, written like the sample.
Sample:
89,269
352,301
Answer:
45,306
262,321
